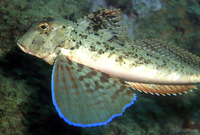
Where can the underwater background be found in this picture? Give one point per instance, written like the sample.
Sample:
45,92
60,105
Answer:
26,106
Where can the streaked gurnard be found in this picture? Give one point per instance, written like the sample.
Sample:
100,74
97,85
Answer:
95,64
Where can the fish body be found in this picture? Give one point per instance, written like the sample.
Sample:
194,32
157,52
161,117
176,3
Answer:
95,51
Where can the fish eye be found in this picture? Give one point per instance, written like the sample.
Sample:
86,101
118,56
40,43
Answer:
44,26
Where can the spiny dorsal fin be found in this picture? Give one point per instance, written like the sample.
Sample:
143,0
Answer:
106,20
162,89
86,97
163,49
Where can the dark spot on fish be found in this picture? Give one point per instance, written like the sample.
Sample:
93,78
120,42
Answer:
74,31
97,85
158,67
76,93
121,44
80,42
98,43
63,79
46,33
77,46
88,28
114,33
33,41
87,85
72,68
128,92
97,34
106,45
117,93
112,48
43,42
104,78
119,59
69,62
92,48
135,56
164,62
122,82
132,65
74,85
90,91
81,78
83,36
63,27
148,54
80,67
141,58
100,51
137,62
147,61
91,74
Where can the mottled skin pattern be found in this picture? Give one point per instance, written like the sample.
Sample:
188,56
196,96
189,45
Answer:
99,41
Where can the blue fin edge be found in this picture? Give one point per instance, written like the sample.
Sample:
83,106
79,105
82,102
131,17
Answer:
79,124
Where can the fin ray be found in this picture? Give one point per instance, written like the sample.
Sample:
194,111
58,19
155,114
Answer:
109,21
161,88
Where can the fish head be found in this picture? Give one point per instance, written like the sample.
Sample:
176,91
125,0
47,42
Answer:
43,38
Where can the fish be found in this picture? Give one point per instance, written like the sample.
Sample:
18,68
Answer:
95,66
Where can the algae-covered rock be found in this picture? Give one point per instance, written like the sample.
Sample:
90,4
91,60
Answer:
144,7
13,96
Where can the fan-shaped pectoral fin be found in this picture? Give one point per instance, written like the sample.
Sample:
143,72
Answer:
86,97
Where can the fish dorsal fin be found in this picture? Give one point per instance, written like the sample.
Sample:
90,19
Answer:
108,22
163,89
166,50
86,97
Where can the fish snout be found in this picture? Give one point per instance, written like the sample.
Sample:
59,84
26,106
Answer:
24,49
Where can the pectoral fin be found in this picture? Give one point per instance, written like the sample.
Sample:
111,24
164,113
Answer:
86,97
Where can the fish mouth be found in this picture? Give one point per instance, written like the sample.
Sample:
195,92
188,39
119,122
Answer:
23,48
